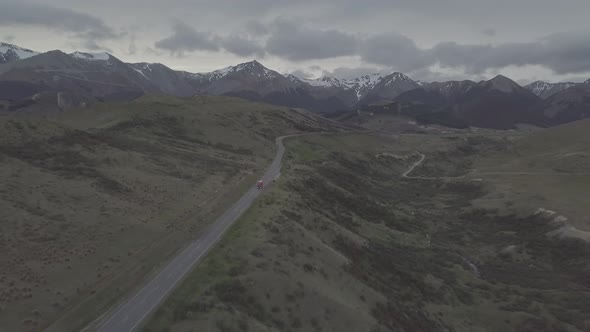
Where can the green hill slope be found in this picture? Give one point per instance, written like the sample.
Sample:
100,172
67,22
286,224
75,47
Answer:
92,200
344,242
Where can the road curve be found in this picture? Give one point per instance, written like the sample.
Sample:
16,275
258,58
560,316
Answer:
422,157
129,315
473,171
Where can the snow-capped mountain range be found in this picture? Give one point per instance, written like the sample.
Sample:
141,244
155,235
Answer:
545,90
9,53
360,85
91,56
252,68
104,77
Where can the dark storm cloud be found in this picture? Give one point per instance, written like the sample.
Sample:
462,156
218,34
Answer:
294,42
242,46
563,53
81,24
403,35
286,39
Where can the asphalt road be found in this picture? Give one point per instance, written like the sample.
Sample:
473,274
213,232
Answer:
130,314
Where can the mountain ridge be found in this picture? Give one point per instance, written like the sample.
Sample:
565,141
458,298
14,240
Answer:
498,102
544,89
10,53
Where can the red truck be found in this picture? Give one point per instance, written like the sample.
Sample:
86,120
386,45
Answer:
260,184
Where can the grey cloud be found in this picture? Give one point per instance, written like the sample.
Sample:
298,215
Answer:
488,32
563,53
82,25
92,45
372,31
291,41
566,52
301,74
187,39
132,46
88,45
523,82
476,59
395,50
242,46
427,75
151,51
256,28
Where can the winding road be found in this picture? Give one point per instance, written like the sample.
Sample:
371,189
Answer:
474,171
419,162
132,312
422,157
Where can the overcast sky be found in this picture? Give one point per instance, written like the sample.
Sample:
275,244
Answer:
426,39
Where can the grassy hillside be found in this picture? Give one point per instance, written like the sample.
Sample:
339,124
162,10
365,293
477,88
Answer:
92,200
343,242
546,169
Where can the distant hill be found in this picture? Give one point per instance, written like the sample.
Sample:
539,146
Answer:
389,87
98,75
566,105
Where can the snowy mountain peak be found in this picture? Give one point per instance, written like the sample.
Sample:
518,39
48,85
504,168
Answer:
545,89
9,52
399,76
250,64
292,78
364,81
368,80
143,68
364,84
326,82
253,68
396,77
103,56
256,69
